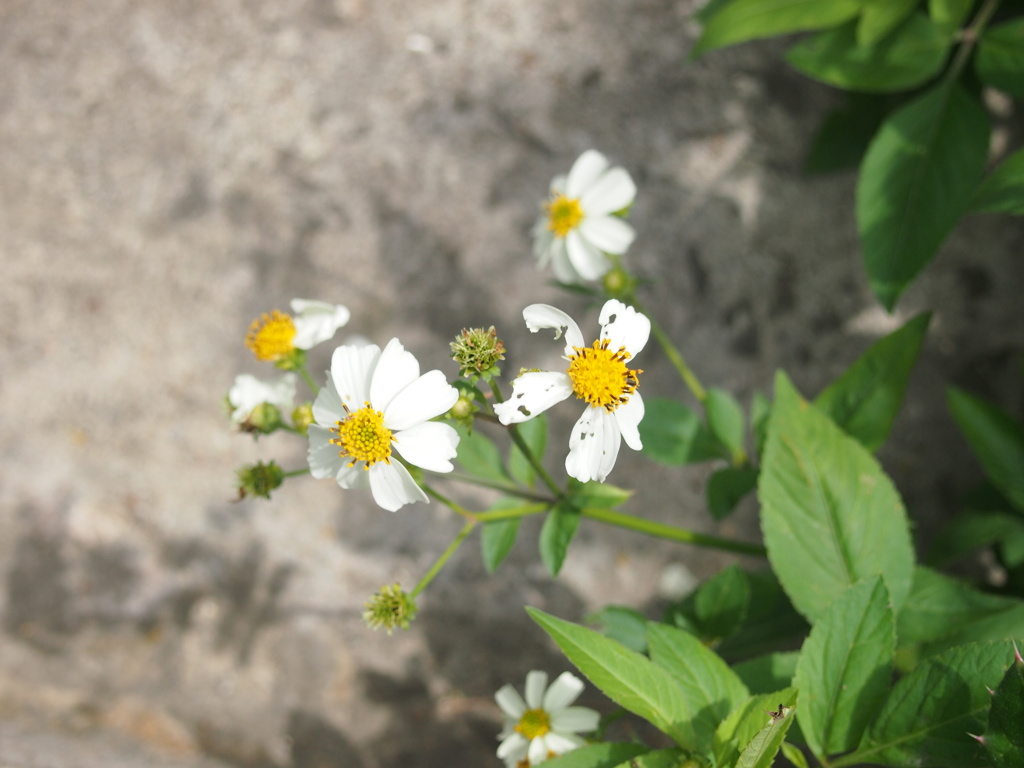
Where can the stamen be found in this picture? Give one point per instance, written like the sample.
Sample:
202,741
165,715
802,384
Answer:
534,723
270,336
600,377
363,437
564,215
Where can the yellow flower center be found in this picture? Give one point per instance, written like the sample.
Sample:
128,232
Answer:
600,376
534,723
270,336
564,215
363,437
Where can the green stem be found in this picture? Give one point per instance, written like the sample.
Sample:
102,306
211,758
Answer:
496,485
297,472
674,356
671,532
439,563
512,512
525,449
970,38
304,372
457,508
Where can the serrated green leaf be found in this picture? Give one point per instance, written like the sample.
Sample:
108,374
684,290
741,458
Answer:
498,537
910,55
710,688
725,418
769,672
727,487
1000,58
673,434
865,399
556,534
762,749
949,13
997,441
1004,737
478,455
632,681
880,17
830,516
605,755
1002,191
535,434
845,133
743,20
744,723
624,625
845,667
721,603
928,716
917,178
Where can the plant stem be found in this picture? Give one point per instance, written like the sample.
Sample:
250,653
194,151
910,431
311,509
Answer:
675,357
496,485
525,449
304,372
297,472
970,38
512,512
439,563
671,532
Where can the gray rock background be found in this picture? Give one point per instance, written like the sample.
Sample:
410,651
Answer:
170,170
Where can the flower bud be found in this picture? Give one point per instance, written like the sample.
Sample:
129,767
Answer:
389,608
302,417
259,479
478,352
618,283
264,419
293,360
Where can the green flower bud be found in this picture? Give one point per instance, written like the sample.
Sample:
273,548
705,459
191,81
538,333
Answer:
618,283
478,352
302,417
259,479
294,360
389,608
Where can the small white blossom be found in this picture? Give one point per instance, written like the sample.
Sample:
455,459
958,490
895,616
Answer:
543,725
578,230
597,375
248,392
316,321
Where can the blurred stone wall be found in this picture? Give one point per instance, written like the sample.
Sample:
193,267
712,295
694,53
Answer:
170,170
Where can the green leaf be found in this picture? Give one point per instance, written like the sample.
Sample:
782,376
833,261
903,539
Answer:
769,672
727,487
771,622
594,494
673,434
725,418
1002,191
864,401
535,434
1000,59
710,688
478,455
997,441
762,749
632,681
917,178
721,603
1004,737
830,516
972,530
949,13
911,55
744,722
845,667
555,535
845,133
624,625
605,755
880,17
660,758
498,537
760,410
743,20
930,713
792,753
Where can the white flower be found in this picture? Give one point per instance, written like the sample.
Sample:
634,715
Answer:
316,321
543,725
374,403
597,375
248,392
578,230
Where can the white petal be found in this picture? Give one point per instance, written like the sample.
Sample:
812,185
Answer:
430,445
510,702
542,240
393,487
538,750
353,477
327,408
558,184
395,370
536,682
612,192
587,259
533,393
585,171
575,720
426,397
560,743
628,416
248,392
593,446
624,326
539,316
564,271
563,692
351,369
513,749
317,321
323,457
610,234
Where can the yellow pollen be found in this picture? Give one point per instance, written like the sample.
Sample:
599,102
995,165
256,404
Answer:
270,336
600,376
534,723
564,215
362,436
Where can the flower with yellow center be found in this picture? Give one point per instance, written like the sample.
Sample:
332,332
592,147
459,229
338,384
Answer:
248,392
543,724
578,227
275,335
599,375
376,405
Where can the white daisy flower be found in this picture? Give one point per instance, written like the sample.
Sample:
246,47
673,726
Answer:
597,375
374,403
275,335
542,725
248,392
578,231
